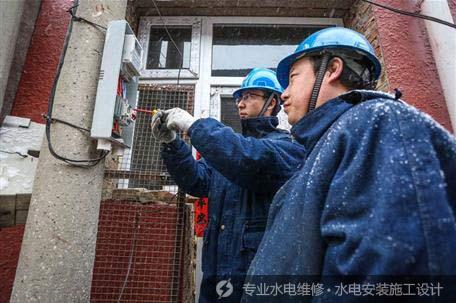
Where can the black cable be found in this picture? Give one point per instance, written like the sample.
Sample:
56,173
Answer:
72,11
53,120
417,15
13,153
80,163
172,40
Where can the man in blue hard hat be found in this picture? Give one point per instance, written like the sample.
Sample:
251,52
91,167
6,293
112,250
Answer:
376,194
239,174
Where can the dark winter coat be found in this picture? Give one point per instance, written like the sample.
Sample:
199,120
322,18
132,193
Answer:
240,175
376,195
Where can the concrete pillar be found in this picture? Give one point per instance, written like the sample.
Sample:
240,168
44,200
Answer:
10,18
58,249
443,43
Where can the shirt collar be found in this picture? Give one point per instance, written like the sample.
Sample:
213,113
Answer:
312,126
259,127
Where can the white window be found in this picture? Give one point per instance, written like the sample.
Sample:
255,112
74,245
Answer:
165,58
217,52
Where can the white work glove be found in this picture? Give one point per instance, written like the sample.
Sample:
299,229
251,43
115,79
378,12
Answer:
179,119
159,130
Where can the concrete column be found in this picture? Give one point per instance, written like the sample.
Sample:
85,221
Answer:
58,248
443,43
10,18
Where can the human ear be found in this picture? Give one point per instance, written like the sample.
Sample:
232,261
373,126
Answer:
272,104
335,68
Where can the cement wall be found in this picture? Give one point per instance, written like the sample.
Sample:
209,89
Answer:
10,18
17,172
58,248
21,45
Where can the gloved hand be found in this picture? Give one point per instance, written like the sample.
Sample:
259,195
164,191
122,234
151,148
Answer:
179,119
159,130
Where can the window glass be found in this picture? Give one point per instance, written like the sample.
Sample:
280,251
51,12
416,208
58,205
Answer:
230,114
162,53
239,48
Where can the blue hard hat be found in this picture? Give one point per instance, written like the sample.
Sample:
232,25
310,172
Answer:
333,38
260,78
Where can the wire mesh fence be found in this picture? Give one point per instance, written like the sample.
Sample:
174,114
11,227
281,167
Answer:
141,166
144,249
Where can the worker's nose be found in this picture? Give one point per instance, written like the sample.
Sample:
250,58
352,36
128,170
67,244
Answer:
285,95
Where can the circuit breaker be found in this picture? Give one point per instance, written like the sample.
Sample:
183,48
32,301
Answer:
114,115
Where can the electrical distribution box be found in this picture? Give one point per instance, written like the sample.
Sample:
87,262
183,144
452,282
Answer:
114,115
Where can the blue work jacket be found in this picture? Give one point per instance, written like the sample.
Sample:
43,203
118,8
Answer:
376,195
240,175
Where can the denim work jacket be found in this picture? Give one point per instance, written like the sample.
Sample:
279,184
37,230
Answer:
240,175
376,195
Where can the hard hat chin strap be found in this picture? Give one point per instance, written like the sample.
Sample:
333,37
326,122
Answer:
318,81
266,105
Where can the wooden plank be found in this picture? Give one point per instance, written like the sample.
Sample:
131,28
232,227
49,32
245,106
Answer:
326,4
137,175
7,210
261,12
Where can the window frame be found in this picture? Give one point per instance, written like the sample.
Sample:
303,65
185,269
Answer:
145,24
201,62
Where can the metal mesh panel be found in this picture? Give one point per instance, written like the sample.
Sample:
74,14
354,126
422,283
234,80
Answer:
139,254
144,241
141,167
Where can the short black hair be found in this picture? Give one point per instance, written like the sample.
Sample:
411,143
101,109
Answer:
349,78
276,96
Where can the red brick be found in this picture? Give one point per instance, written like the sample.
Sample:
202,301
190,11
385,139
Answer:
11,240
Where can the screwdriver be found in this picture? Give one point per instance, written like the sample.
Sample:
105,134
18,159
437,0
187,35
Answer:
152,112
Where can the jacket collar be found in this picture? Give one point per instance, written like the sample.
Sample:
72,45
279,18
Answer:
259,127
312,126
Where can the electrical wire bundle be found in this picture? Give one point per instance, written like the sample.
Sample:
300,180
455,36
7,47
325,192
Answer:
49,119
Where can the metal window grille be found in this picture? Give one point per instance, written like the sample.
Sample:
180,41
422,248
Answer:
229,114
144,246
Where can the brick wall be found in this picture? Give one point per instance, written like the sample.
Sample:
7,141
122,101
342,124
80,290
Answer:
402,44
140,253
147,238
30,102
361,19
148,262
409,60
131,16
11,240
42,59
452,5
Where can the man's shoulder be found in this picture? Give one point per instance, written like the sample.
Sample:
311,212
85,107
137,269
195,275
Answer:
385,109
278,135
389,115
